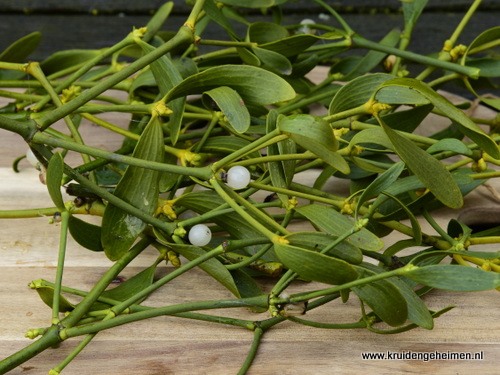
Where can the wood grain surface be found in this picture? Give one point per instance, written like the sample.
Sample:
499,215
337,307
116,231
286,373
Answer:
166,345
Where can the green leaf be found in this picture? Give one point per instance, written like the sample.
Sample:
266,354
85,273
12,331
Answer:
317,241
232,106
255,85
333,222
273,61
454,277
400,95
85,234
55,172
415,224
212,266
216,14
128,288
168,180
412,11
157,21
371,136
266,32
247,287
357,92
488,67
430,171
20,50
46,294
418,313
139,187
66,59
467,126
314,266
487,36
450,144
167,76
314,134
381,183
292,45
385,300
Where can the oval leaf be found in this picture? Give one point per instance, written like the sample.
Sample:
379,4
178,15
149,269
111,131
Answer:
85,234
418,313
55,171
167,76
317,241
331,221
314,266
18,51
314,134
450,144
454,277
356,92
46,293
385,300
232,106
255,85
139,187
429,170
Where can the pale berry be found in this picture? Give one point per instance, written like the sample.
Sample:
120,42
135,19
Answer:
200,235
238,177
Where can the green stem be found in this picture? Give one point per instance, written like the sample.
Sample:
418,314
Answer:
49,339
259,301
253,210
203,173
437,228
425,60
73,353
360,110
86,67
257,336
63,237
237,208
300,297
465,20
309,323
83,307
264,141
294,193
118,309
340,20
185,34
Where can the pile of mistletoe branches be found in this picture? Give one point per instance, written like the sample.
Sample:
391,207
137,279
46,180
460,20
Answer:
208,130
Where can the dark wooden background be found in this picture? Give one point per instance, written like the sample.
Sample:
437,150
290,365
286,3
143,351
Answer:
67,24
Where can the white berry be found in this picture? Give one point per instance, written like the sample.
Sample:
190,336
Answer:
238,177
200,235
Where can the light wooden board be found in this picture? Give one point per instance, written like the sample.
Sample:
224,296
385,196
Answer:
28,251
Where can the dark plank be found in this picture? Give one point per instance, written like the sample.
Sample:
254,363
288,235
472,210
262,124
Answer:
115,6
61,31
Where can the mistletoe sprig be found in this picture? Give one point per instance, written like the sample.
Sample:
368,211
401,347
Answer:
236,121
